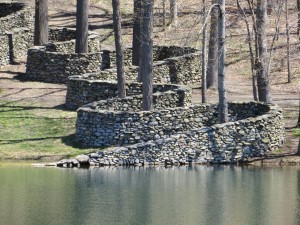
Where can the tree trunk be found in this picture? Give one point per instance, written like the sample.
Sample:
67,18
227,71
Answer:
146,54
298,22
82,16
164,13
119,48
41,30
250,43
298,151
262,67
203,85
298,123
136,32
212,61
173,11
223,105
288,43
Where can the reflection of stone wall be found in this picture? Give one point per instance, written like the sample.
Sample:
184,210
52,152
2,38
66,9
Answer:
181,135
16,23
82,91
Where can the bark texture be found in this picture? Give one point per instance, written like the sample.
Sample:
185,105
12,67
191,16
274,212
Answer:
146,55
212,61
82,16
136,32
262,66
223,104
41,30
119,48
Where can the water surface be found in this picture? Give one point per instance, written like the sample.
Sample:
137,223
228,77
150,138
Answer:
178,195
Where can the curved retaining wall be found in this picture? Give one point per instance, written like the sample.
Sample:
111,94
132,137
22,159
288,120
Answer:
182,135
14,15
82,90
16,23
172,64
44,63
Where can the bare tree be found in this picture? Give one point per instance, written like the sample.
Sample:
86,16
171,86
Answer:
146,54
298,123
41,30
250,43
82,16
119,48
223,105
262,70
212,61
287,27
136,32
203,86
298,22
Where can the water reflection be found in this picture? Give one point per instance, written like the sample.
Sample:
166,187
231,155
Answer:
177,195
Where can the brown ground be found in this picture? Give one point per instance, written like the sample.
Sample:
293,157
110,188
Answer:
238,84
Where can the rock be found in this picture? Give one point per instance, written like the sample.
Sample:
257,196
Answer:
83,159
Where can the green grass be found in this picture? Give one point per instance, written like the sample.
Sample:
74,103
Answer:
296,132
33,132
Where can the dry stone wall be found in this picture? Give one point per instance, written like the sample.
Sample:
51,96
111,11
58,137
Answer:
83,89
181,135
56,61
16,34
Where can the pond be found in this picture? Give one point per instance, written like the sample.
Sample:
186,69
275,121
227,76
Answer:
155,195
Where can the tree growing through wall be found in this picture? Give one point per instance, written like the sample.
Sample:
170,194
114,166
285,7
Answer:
119,48
212,58
136,32
41,30
82,16
261,65
146,54
223,105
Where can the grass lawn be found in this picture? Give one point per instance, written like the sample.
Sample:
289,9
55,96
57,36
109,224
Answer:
33,132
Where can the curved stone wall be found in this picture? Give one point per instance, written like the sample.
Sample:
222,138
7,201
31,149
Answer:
83,89
14,15
56,61
16,23
182,135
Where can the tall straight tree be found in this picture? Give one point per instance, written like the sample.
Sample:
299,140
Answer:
262,67
82,16
212,59
136,32
298,22
223,105
173,11
41,32
119,48
146,54
203,76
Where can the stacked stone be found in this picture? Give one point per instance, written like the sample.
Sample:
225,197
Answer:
231,142
16,23
56,67
15,15
84,89
4,50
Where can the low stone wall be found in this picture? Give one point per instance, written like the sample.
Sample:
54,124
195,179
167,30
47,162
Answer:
4,50
56,61
16,23
82,90
56,67
172,64
181,135
14,15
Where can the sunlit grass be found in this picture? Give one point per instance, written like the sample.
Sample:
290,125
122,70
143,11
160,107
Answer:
28,132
